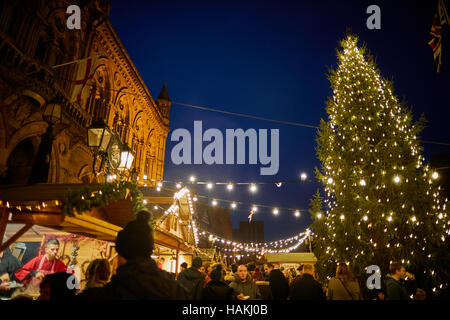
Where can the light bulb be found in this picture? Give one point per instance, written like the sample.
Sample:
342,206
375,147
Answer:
435,175
303,176
192,179
275,211
214,202
297,213
253,187
362,182
209,185
396,179
230,186
330,180
254,208
233,205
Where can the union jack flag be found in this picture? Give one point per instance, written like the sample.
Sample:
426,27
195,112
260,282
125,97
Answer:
436,32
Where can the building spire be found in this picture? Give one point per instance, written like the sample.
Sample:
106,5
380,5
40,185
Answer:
164,94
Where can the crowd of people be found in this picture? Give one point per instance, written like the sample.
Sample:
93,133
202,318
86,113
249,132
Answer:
140,277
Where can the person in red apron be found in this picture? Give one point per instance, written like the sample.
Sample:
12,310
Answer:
37,268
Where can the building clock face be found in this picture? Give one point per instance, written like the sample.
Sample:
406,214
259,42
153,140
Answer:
114,152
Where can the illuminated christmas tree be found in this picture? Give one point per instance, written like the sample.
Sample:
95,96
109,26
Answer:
382,203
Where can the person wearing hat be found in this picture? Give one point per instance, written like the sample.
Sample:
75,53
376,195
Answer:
217,289
192,279
139,277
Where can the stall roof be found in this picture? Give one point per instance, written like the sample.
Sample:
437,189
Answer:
98,223
300,257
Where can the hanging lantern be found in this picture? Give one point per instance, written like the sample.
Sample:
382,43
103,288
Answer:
126,158
98,136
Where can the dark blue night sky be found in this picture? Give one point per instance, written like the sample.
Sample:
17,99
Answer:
270,58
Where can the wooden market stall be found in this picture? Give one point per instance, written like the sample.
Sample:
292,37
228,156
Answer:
291,259
34,212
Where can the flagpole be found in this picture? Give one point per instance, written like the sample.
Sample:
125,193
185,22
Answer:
71,62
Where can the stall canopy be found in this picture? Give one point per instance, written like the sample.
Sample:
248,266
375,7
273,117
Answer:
296,257
41,205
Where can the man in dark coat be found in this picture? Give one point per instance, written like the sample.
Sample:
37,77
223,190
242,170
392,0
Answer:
216,289
192,279
394,289
279,285
139,278
8,265
306,288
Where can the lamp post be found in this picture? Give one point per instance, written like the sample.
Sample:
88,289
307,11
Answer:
52,115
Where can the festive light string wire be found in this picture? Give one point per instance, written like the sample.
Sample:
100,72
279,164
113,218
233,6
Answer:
297,124
251,205
259,244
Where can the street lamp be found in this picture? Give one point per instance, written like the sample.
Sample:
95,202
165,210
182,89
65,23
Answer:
98,136
52,113
126,158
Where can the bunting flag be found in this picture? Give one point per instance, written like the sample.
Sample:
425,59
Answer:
440,18
85,72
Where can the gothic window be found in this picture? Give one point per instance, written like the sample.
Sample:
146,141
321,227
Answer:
147,166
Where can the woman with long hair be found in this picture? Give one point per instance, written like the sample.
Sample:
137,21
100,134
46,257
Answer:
344,286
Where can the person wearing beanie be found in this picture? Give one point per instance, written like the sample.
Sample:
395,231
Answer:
192,279
216,288
139,278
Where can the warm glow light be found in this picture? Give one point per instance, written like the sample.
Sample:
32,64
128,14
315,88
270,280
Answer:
214,202
435,175
396,179
178,185
275,211
233,205
303,176
209,185
194,198
155,207
252,187
319,216
192,179
297,213
254,209
145,201
362,182
159,184
158,189
145,177
230,186
330,180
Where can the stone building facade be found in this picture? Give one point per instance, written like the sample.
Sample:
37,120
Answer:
33,38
